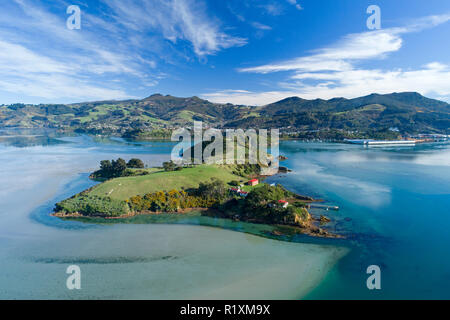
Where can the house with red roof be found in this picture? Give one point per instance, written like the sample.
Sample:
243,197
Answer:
239,192
253,182
283,203
243,194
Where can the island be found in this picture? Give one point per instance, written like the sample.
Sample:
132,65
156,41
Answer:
233,192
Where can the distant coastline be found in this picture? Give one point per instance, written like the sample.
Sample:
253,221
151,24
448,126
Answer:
375,116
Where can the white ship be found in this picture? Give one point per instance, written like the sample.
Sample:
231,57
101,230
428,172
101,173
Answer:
369,142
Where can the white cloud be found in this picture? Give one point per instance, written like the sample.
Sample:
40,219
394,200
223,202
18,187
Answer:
176,20
333,72
274,9
56,86
339,56
25,72
260,26
41,58
18,59
297,5
432,79
245,97
80,47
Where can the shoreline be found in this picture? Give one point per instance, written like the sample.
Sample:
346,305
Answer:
279,232
310,226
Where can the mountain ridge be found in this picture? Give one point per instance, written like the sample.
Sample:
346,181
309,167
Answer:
407,112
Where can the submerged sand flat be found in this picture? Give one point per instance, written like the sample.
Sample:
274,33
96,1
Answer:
167,262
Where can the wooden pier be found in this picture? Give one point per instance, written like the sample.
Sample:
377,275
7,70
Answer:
322,206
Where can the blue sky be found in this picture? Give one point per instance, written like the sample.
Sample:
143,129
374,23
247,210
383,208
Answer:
241,51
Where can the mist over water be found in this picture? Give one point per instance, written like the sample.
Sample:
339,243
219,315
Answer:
394,207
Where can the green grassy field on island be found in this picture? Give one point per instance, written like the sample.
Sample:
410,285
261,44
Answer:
126,187
160,191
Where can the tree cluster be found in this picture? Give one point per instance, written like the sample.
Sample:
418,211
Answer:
117,168
171,166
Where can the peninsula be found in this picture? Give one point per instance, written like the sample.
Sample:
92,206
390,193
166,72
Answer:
232,192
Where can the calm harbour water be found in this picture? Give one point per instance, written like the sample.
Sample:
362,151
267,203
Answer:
394,207
397,201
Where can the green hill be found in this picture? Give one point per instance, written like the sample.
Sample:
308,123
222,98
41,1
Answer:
409,112
157,115
126,187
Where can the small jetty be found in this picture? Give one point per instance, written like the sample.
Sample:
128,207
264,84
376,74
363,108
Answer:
323,206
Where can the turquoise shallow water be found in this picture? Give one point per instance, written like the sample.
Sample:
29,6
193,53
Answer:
394,207
396,201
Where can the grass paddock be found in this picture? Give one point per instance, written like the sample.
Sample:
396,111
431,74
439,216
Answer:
160,180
